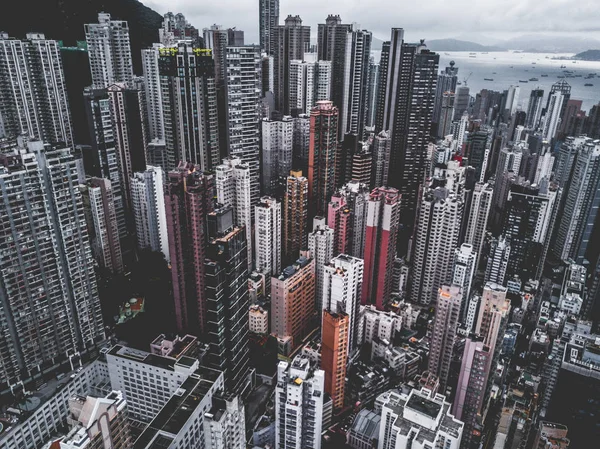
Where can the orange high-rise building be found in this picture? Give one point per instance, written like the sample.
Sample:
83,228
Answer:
334,355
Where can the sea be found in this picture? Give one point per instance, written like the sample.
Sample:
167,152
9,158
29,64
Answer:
517,68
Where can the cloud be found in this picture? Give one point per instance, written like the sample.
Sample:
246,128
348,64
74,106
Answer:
430,19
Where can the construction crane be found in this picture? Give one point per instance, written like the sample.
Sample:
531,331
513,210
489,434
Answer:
467,78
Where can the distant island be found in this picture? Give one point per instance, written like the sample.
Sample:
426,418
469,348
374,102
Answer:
458,45
588,55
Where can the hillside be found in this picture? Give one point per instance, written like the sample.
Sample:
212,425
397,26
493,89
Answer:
588,55
458,45
64,20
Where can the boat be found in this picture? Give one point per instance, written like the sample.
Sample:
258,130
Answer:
588,84
473,53
493,73
472,56
447,54
511,66
560,76
544,74
534,62
488,79
523,81
533,79
563,66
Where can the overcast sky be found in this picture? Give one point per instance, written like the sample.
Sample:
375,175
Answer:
430,19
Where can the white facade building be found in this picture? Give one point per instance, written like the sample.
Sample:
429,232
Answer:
320,246
258,320
477,218
109,51
309,82
299,405
154,105
464,270
224,424
277,145
552,117
497,261
267,237
148,204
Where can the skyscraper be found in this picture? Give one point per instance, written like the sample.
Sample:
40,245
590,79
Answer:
243,91
148,206
293,303
334,355
382,144
320,246
309,82
188,199
152,88
299,405
534,108
32,90
277,153
109,51
227,300
342,291
553,114
102,224
372,91
383,216
407,92
48,285
497,262
189,96
436,238
233,181
446,114
463,271
447,316
288,43
512,100
267,237
295,215
477,217
268,11
322,156
446,82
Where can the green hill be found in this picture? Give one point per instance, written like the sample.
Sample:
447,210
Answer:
588,55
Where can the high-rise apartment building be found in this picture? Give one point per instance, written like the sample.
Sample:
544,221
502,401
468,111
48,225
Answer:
446,114
148,206
48,285
447,316
477,218
233,181
268,11
301,144
295,215
299,398
310,81
512,100
463,270
227,299
334,355
189,103
189,197
32,87
492,317
534,109
102,223
553,114
293,303
322,157
382,145
277,154
342,290
243,84
417,420
383,217
320,246
372,91
288,43
446,82
225,423
153,92
407,96
497,263
437,236
176,28
267,236
109,51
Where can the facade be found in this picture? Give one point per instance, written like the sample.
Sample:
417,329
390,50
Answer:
293,303
556,101
437,237
189,104
299,405
268,11
277,153
258,320
342,291
227,299
153,92
447,316
446,114
463,270
551,436
48,284
243,84
334,355
382,144
99,206
224,423
477,218
418,420
322,156
288,43
534,108
497,261
148,206
320,246
267,236
310,81
295,215
446,82
383,217
188,200
34,95
109,51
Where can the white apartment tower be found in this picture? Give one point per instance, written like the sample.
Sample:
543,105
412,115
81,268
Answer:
109,51
464,270
382,146
32,88
234,188
342,291
267,236
277,146
148,206
224,423
477,218
320,245
497,261
154,105
309,82
299,405
552,117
